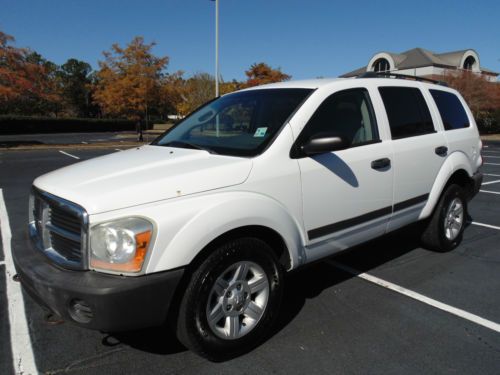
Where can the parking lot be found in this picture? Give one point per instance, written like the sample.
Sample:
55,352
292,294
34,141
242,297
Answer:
387,307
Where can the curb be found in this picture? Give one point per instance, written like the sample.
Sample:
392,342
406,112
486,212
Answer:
73,146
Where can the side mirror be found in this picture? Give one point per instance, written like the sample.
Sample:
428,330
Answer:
322,143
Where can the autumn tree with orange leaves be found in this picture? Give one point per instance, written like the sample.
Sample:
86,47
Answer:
129,81
261,73
26,84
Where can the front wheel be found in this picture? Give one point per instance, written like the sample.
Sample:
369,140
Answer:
445,229
231,300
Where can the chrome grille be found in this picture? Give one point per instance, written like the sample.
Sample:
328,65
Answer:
59,228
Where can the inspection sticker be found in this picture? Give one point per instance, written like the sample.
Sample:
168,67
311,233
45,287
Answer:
260,132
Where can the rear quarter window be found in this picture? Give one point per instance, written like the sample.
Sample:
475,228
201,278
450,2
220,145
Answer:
407,111
451,110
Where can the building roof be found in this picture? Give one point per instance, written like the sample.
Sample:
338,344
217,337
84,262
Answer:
420,57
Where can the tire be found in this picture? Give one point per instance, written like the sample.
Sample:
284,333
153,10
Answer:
445,228
240,287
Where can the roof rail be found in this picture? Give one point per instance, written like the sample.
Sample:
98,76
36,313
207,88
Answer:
400,76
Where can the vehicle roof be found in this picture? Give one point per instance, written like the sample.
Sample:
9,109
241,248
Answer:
320,82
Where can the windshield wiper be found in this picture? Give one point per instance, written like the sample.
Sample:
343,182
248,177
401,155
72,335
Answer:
184,144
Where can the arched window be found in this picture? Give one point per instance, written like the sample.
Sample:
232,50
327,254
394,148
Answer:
381,65
469,63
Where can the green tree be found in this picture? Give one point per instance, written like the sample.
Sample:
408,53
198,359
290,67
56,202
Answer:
75,80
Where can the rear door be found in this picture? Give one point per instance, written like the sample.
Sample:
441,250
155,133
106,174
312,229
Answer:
419,150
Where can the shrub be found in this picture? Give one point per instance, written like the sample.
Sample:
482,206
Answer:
27,125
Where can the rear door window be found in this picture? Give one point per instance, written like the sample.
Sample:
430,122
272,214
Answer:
451,110
407,111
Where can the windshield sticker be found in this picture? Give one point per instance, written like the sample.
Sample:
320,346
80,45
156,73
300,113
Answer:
260,132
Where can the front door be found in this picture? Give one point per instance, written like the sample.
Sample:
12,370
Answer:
347,194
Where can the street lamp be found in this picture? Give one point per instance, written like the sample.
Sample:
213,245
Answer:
216,48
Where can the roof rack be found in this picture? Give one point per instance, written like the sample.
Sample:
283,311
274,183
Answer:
400,76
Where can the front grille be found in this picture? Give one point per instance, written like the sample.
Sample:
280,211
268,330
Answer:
65,220
68,248
59,228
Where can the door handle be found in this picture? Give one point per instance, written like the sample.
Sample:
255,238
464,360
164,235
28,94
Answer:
441,150
381,163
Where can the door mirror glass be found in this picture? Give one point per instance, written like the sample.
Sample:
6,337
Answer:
324,142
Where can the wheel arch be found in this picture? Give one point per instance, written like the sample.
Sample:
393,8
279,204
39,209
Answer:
266,234
456,169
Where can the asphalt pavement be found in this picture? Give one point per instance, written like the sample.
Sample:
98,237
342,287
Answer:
333,321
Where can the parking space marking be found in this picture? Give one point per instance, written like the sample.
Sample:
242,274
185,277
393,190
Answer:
491,174
485,225
489,192
419,297
494,157
71,156
491,163
491,182
2,263
20,341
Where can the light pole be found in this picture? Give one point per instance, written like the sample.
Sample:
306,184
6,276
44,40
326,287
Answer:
216,48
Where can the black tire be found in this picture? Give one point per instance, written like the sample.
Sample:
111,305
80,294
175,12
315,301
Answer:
193,328
434,236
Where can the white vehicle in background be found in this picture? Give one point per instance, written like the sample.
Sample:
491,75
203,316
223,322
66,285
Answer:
199,228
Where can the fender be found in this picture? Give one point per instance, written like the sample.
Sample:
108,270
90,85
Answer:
218,213
454,162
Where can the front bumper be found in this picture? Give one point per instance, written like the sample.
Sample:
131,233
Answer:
96,300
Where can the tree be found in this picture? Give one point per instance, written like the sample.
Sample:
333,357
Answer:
187,95
129,80
75,80
26,80
261,73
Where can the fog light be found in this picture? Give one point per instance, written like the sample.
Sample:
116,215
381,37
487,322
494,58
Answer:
80,311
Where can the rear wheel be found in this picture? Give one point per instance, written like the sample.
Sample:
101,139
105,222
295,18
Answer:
231,300
445,229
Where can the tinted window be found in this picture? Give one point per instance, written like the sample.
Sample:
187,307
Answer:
240,124
348,114
451,110
407,111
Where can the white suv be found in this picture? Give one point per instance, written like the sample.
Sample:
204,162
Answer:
199,227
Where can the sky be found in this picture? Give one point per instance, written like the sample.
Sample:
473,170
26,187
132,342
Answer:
306,39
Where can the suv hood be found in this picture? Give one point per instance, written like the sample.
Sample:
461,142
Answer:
143,175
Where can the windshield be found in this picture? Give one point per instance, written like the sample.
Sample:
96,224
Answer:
240,124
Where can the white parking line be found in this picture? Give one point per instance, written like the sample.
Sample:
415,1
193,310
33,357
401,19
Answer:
489,191
71,156
491,163
20,341
490,182
494,157
419,297
491,174
2,263
485,225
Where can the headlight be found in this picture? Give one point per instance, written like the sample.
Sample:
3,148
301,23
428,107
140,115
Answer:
120,245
